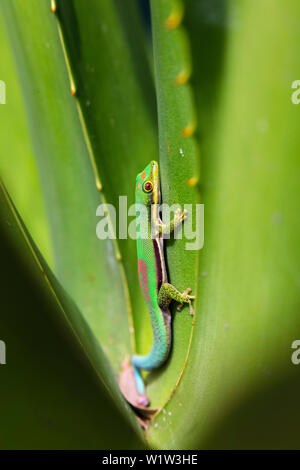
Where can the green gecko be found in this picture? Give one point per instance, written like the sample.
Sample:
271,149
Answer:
157,292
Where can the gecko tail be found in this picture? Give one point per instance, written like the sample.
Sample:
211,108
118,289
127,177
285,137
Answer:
153,360
138,379
143,399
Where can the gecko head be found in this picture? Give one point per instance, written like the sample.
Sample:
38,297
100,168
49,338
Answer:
147,185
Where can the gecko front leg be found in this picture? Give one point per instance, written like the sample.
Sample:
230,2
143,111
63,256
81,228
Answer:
167,229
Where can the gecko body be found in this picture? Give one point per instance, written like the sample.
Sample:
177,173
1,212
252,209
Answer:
157,292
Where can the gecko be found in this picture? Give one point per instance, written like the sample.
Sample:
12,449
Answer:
157,291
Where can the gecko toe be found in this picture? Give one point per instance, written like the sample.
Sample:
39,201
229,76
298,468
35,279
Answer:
143,400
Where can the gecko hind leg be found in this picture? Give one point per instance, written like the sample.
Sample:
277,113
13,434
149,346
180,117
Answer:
190,298
167,293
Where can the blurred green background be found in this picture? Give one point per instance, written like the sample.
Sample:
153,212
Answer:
71,308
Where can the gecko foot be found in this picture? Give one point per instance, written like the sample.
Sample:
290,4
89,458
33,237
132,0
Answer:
189,298
180,216
143,400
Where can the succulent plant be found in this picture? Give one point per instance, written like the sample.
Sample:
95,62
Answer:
91,97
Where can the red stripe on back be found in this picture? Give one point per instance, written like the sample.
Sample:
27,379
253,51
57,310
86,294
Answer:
143,278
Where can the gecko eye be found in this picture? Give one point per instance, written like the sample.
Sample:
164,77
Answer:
148,186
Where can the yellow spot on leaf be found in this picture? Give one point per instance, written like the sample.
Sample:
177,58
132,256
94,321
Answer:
53,6
189,130
192,181
182,77
175,18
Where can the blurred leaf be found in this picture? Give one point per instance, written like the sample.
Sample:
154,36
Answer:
87,267
240,388
17,165
55,373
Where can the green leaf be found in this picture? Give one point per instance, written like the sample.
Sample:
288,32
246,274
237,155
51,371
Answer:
115,90
240,388
57,388
179,161
17,165
86,266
